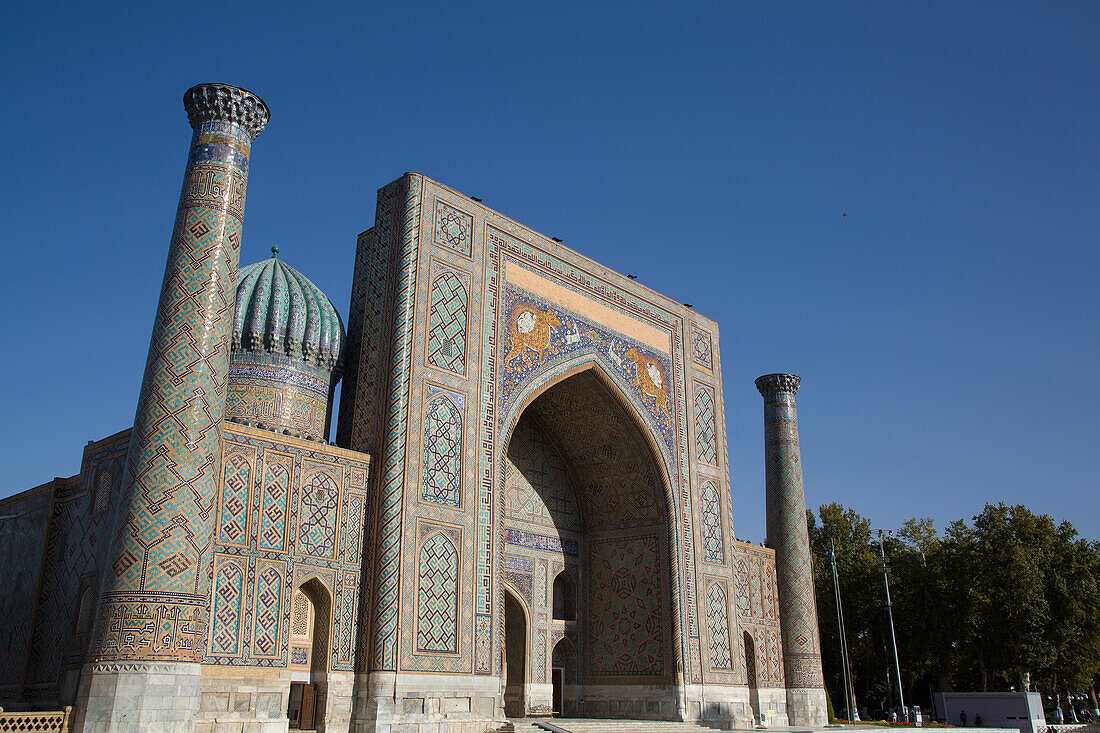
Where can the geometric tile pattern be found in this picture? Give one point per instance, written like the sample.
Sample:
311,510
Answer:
447,324
442,482
437,602
300,611
273,507
706,448
520,581
625,621
269,595
296,537
719,627
758,609
741,580
756,595
59,544
346,613
151,609
392,480
711,507
787,532
701,349
620,487
317,516
537,486
453,228
234,504
228,596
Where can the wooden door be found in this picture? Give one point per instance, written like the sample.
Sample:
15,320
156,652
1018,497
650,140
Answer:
309,707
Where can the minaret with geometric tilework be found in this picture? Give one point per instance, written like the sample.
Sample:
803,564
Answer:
152,618
788,536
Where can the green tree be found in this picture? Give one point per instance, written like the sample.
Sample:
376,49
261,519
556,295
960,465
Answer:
1072,590
1014,551
1006,601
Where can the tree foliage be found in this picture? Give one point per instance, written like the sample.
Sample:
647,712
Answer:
1009,600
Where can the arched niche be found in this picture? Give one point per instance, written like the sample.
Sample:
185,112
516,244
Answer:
626,587
564,598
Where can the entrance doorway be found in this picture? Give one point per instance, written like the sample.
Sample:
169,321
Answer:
515,657
309,635
750,674
585,520
302,712
564,679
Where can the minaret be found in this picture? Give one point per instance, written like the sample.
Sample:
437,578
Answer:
788,536
152,617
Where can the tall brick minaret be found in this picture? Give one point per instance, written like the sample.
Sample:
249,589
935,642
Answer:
788,536
151,623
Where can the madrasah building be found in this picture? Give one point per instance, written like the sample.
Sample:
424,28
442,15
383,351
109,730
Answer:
525,512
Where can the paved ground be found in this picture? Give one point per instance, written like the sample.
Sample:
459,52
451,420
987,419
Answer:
601,725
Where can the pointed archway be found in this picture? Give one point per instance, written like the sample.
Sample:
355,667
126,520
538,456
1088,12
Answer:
586,529
750,674
564,679
310,626
515,656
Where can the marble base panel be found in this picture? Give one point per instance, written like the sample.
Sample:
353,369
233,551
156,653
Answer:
719,706
243,699
387,702
643,702
540,700
807,706
771,707
129,697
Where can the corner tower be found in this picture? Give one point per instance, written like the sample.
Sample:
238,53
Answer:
151,627
788,536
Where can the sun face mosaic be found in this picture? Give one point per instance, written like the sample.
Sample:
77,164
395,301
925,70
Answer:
540,334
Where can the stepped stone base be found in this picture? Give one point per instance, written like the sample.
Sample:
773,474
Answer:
590,725
387,702
807,706
130,697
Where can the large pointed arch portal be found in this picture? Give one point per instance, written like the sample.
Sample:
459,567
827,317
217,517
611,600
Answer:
586,512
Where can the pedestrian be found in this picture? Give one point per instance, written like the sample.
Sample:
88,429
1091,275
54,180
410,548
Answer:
962,719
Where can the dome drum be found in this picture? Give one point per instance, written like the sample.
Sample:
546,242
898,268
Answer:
275,392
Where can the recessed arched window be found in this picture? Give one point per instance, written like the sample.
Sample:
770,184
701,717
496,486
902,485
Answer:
565,598
84,610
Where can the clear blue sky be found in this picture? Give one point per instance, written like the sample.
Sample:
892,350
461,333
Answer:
945,329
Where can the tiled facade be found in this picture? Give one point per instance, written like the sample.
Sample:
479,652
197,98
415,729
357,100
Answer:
543,435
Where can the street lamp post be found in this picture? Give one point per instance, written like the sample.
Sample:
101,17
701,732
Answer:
890,613
846,672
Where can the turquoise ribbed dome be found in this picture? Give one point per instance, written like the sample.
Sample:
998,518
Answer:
279,310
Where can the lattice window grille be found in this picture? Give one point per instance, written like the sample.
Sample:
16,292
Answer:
300,614
102,490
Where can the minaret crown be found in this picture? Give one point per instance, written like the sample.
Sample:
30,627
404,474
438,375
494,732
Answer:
225,103
770,384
